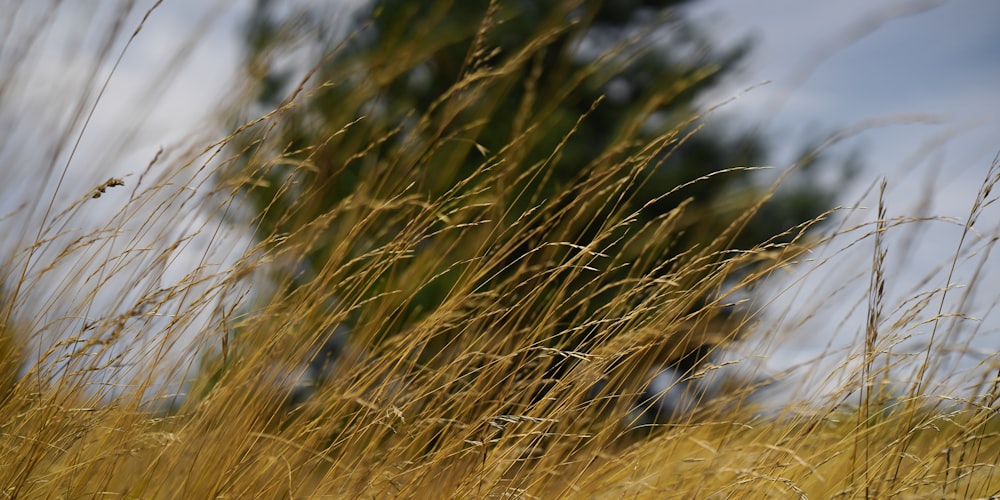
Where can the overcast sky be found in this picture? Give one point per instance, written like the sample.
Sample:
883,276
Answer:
929,70
933,69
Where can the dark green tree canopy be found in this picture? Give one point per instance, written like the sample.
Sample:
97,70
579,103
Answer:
559,120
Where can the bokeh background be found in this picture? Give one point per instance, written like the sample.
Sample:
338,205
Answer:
911,84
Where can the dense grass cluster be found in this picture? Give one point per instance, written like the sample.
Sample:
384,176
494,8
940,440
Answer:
129,368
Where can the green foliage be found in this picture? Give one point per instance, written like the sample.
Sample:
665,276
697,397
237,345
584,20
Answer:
571,124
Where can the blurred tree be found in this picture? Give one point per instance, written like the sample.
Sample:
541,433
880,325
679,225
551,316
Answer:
508,105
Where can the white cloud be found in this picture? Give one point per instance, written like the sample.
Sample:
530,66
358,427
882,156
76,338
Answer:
836,64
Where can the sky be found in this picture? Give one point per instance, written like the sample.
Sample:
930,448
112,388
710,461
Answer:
919,81
928,74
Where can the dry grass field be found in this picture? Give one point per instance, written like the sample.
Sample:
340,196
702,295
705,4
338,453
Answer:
130,369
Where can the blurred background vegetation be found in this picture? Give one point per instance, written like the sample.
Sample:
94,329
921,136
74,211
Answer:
523,114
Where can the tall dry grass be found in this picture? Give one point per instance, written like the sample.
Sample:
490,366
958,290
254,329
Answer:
132,369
